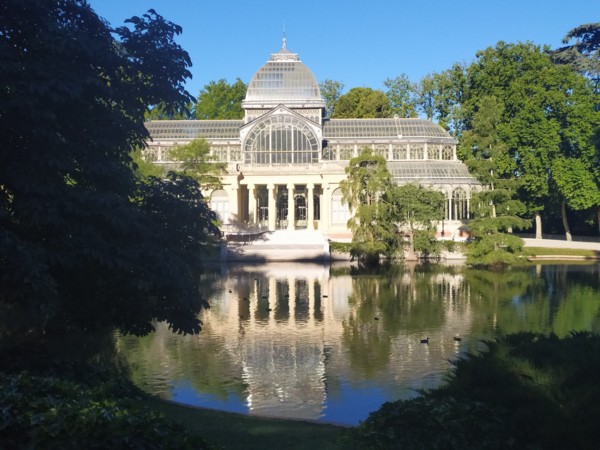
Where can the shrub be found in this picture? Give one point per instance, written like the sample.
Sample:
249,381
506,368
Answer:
54,413
527,391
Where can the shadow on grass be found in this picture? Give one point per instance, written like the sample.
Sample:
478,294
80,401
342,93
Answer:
231,431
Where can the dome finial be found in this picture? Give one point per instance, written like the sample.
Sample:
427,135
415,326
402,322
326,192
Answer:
284,39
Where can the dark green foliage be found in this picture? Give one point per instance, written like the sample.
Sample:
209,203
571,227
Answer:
414,208
219,100
527,391
363,190
197,162
492,246
53,413
523,115
84,243
441,96
331,91
362,103
403,96
583,54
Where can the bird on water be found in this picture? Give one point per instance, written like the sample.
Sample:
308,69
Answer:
425,341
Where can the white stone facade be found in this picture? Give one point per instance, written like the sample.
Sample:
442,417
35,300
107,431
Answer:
286,159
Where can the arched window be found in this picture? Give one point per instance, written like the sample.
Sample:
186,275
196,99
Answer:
460,210
300,207
219,203
340,213
281,139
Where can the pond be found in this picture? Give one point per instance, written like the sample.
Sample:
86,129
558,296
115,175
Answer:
332,344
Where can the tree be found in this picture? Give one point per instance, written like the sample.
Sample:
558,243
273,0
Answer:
197,163
219,100
414,209
158,112
584,54
366,184
441,96
331,91
487,157
402,94
547,113
85,242
362,103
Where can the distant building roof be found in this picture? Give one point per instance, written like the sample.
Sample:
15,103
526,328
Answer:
191,129
284,79
395,128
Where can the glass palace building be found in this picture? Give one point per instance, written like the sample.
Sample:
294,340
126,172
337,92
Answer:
286,158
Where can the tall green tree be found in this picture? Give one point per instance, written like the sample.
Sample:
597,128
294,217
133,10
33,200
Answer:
583,54
159,112
440,97
197,162
415,209
578,176
363,103
488,159
367,182
219,100
402,94
84,242
547,114
331,91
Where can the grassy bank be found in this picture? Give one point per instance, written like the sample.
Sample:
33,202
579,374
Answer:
231,431
543,251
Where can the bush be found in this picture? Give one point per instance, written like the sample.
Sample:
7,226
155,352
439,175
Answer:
528,391
54,413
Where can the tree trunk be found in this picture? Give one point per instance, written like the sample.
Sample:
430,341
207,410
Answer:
538,226
411,256
563,213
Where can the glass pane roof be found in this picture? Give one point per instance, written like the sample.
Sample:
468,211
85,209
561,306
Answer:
430,170
382,128
284,78
191,129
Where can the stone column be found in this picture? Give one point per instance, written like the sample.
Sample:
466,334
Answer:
291,204
272,206
325,222
310,217
252,210
234,209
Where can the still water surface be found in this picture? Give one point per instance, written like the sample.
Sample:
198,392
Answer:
314,342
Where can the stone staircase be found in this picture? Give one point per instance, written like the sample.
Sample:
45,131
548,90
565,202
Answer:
280,245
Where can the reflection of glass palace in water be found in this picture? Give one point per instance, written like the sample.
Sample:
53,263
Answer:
286,158
291,329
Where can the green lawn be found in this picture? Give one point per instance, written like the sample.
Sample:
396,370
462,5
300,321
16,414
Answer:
535,251
231,431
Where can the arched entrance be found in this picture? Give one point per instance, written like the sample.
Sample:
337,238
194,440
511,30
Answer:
282,208
300,211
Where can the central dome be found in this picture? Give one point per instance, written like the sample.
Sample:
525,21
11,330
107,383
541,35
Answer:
284,79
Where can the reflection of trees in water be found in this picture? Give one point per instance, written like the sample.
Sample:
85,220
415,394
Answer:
544,299
162,358
411,300
401,302
364,325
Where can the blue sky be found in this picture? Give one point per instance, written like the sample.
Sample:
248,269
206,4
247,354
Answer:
359,43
